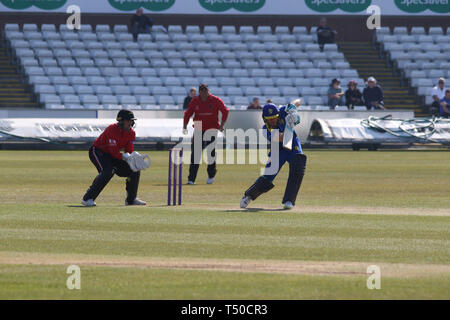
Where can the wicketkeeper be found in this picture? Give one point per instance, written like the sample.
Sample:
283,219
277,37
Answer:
284,119
106,156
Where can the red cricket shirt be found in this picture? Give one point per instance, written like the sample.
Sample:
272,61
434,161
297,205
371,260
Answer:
114,139
206,111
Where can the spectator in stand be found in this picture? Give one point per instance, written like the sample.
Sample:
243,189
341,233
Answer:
438,93
445,105
140,23
188,99
335,94
373,95
353,97
255,104
324,33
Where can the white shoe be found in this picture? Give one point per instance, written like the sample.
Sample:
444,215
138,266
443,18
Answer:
88,203
288,205
136,202
190,182
210,181
244,202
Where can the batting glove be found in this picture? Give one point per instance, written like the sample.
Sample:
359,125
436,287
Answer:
292,119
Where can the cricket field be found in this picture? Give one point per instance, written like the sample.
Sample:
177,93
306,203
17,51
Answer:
356,209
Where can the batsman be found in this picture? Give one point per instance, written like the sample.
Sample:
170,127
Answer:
279,128
108,160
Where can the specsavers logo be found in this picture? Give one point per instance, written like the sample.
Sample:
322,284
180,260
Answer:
41,4
415,6
152,5
344,5
240,5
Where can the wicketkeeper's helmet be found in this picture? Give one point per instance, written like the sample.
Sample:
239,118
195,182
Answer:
125,115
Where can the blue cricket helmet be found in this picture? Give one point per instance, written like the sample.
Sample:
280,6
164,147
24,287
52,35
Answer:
270,111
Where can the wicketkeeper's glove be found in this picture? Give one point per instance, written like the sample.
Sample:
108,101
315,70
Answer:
137,161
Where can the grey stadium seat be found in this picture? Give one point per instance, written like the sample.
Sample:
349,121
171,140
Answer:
108,99
165,100
225,81
301,82
50,99
11,27
120,90
102,90
290,91
44,89
145,100
320,82
171,81
63,89
89,99
400,31
116,80
233,91
244,101
91,71
159,90
228,29
127,99
177,91
265,82
100,28
39,79
72,71
140,90
284,82
417,30
120,28
299,30
59,80
83,89
70,100
435,31
271,91
252,91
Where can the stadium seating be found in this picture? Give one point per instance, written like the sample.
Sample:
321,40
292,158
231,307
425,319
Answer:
422,57
100,68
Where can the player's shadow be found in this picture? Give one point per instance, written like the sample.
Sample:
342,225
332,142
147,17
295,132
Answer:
76,206
254,210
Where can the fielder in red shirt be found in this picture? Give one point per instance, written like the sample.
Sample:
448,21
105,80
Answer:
106,156
205,107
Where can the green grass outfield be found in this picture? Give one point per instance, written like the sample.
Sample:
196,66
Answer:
356,209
